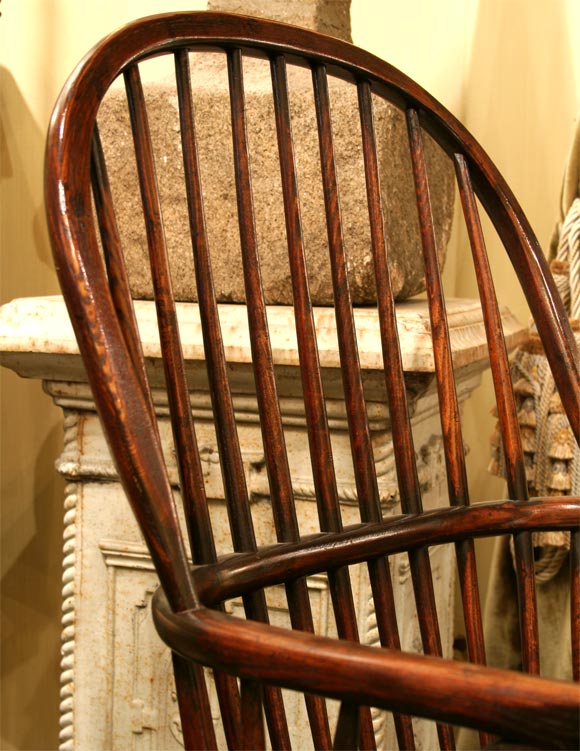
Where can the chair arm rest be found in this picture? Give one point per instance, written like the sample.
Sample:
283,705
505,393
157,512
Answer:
516,706
246,572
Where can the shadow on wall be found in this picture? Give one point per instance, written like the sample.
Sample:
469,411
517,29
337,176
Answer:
31,611
30,438
27,267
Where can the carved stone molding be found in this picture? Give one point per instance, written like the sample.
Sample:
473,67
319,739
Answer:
67,664
145,685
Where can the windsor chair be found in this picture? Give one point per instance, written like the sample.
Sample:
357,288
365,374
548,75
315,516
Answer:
251,659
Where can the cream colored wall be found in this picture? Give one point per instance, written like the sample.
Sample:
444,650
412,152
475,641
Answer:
508,68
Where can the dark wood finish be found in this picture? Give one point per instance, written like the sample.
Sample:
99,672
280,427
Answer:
575,606
272,564
507,413
463,693
518,707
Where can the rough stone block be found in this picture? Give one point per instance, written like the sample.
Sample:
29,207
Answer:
327,16
213,130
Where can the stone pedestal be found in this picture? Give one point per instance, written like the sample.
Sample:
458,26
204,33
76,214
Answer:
117,690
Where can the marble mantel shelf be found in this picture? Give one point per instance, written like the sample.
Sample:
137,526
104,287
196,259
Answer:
37,339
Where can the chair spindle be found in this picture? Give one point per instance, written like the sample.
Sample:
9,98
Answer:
507,415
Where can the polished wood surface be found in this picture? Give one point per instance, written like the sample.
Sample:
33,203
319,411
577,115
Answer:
94,280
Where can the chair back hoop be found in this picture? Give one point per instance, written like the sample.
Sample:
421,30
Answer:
90,253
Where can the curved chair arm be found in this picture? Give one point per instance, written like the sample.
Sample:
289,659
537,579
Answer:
246,572
499,701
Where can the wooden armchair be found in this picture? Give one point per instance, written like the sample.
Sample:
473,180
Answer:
251,659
